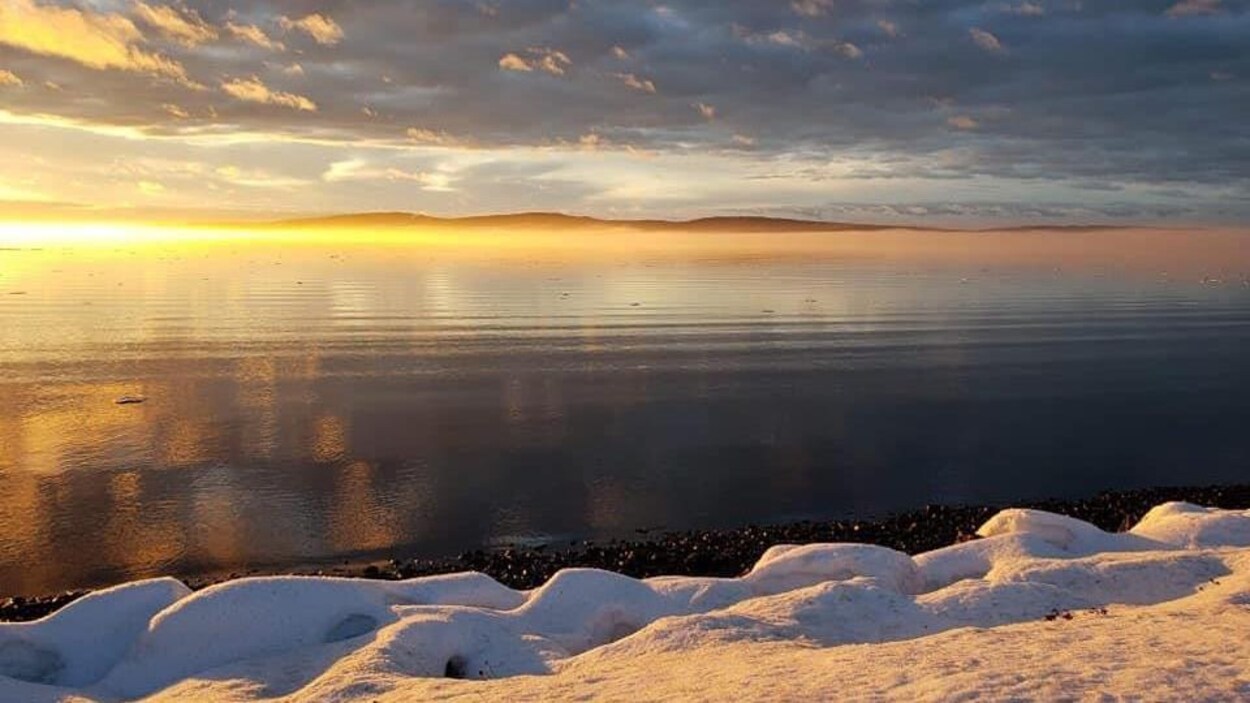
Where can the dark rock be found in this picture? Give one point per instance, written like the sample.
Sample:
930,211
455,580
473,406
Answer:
733,552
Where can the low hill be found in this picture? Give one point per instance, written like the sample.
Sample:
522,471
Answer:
550,220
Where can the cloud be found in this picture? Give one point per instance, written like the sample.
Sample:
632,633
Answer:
96,40
429,136
150,187
962,122
783,38
1027,9
512,62
798,39
362,170
985,40
322,29
636,83
251,89
591,141
1186,8
344,170
175,111
11,79
848,50
233,175
182,25
1003,210
537,58
811,8
252,34
708,111
1118,93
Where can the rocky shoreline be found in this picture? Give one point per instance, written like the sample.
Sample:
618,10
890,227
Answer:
729,552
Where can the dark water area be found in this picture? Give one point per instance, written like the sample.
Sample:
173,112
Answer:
318,404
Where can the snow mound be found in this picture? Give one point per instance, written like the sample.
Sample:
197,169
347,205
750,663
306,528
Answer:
82,642
787,567
592,632
1190,526
1066,533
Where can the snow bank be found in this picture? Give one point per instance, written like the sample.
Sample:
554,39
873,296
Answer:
594,632
1191,526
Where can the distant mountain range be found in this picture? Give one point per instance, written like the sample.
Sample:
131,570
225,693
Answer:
553,220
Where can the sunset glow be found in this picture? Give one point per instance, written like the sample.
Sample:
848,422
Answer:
355,350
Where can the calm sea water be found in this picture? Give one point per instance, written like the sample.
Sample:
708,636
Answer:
321,403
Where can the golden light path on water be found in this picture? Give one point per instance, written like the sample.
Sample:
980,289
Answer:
1151,250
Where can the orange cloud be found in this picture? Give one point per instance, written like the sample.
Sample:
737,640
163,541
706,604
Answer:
512,62
253,90
636,83
962,122
94,39
545,59
429,136
9,78
252,34
322,29
183,26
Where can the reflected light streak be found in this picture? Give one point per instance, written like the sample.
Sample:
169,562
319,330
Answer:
1134,249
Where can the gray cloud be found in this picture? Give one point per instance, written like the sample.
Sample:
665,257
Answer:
1097,92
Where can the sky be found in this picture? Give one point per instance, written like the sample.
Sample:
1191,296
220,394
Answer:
958,111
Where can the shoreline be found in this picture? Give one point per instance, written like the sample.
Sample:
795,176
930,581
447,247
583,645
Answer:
722,553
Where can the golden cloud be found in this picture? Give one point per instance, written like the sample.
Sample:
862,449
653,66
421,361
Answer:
252,34
94,39
421,135
150,187
512,62
962,122
251,89
545,59
322,29
183,26
632,81
10,78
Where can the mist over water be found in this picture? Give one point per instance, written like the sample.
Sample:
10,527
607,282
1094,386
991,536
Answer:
310,402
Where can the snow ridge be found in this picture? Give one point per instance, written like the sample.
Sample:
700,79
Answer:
324,638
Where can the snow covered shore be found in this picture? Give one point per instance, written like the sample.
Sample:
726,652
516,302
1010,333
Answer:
1043,606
